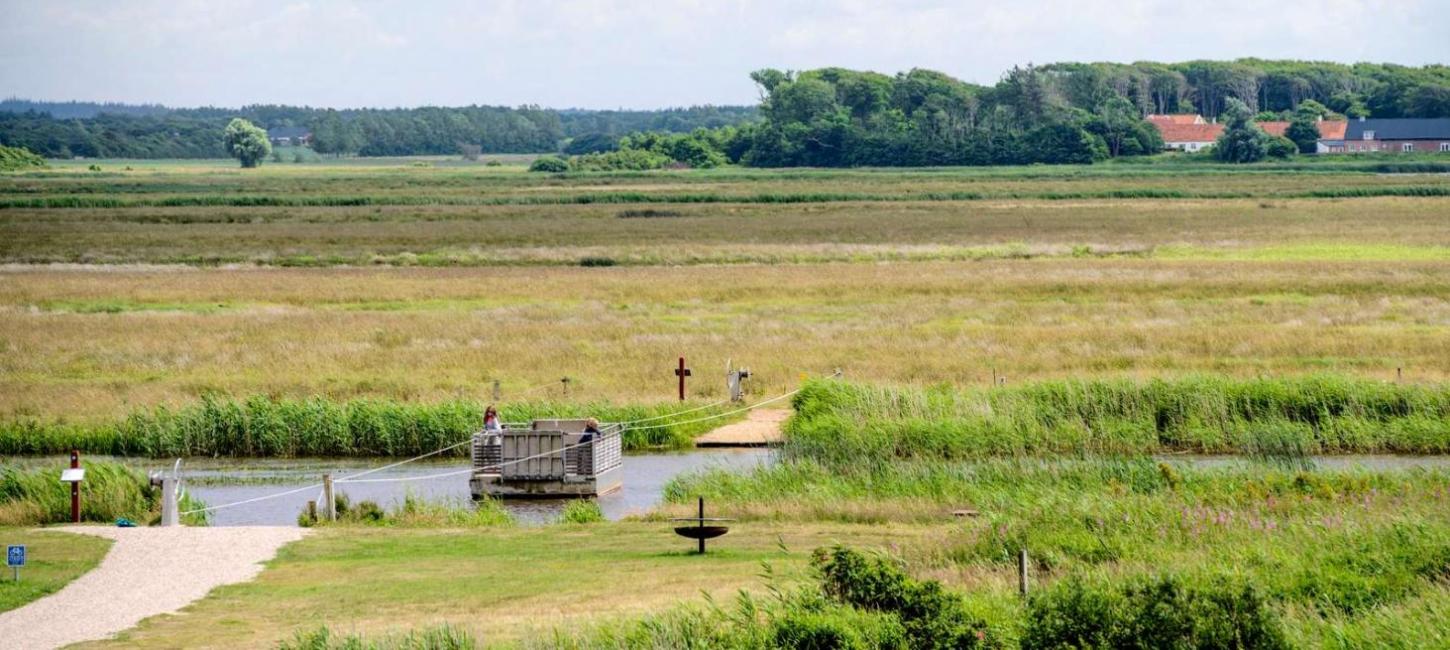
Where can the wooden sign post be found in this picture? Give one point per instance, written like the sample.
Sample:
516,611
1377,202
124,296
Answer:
682,372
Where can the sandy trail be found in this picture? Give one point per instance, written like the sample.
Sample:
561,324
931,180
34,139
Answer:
148,571
761,428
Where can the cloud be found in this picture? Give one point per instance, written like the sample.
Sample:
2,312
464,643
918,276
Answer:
606,53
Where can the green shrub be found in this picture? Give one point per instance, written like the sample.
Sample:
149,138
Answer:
836,628
19,159
1162,612
549,164
931,616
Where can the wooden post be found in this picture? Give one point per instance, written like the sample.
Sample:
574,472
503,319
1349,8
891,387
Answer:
496,391
312,511
75,488
702,508
565,382
329,504
1399,374
682,372
1022,571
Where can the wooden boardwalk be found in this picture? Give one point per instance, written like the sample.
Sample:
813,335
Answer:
761,428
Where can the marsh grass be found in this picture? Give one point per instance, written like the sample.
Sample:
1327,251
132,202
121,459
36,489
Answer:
263,427
439,637
35,496
843,423
415,512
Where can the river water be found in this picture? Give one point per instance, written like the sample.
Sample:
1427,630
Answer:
225,481
218,483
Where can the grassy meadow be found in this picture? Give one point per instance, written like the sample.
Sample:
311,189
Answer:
1049,348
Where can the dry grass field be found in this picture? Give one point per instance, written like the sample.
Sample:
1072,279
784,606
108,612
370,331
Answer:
107,309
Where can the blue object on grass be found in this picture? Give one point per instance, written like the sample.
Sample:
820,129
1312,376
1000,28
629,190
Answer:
125,523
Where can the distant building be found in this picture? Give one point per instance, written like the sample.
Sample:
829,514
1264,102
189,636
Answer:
1405,135
1331,134
1186,132
290,136
1183,119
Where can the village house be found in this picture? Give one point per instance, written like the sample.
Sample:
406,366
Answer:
290,136
1188,133
1398,135
1192,133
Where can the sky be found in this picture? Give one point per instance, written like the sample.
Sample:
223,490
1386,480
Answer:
616,54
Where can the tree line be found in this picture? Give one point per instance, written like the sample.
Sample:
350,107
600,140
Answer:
1058,113
121,131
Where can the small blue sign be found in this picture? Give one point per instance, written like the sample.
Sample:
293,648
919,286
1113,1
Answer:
15,556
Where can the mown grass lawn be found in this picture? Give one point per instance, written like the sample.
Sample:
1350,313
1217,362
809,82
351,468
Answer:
501,584
54,559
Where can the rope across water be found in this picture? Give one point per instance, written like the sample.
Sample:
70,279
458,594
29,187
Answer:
624,426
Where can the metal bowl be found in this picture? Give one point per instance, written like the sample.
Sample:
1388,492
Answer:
701,532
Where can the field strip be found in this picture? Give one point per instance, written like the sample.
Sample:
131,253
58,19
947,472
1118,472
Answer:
148,571
761,428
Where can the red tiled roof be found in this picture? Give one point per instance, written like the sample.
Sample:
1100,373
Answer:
1190,132
1328,129
1181,119
1332,129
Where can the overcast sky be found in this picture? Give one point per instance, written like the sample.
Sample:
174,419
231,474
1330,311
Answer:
603,54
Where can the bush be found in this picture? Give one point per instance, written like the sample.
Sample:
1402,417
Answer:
18,158
549,164
931,616
836,628
1161,612
622,160
1281,148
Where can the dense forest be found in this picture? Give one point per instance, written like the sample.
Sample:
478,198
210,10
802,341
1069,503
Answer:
1058,113
1061,112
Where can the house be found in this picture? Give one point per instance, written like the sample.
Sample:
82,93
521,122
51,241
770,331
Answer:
290,136
1186,132
1401,135
1331,134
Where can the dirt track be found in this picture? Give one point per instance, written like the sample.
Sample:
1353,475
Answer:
761,428
148,571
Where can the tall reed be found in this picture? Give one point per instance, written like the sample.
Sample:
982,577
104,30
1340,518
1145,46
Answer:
262,426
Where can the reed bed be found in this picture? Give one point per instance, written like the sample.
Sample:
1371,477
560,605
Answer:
265,427
844,423
35,496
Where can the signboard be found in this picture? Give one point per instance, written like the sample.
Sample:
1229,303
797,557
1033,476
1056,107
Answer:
72,475
15,555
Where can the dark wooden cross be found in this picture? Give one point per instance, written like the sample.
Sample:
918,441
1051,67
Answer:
682,372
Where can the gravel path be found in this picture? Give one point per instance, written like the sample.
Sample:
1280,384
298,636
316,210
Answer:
148,571
761,428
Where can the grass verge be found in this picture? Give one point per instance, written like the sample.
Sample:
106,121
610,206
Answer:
55,559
